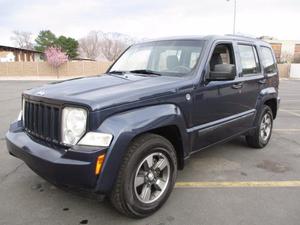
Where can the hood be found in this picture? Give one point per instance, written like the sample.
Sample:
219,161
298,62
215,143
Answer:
106,90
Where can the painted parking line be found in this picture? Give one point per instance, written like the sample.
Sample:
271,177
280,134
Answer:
238,184
291,109
290,112
294,110
286,130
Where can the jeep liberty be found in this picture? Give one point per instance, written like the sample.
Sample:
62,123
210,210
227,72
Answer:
125,134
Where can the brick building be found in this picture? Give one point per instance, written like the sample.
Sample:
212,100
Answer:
285,50
13,54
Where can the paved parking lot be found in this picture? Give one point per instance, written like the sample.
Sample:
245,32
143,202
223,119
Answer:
238,194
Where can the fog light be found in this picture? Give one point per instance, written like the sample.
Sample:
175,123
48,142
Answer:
99,164
96,139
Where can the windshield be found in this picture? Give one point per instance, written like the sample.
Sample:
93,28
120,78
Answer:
178,58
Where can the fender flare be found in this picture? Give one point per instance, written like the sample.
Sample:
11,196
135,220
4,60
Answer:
265,95
125,126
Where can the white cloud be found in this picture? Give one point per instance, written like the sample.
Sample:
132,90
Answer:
150,18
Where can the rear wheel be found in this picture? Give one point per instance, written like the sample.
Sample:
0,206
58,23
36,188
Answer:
147,176
263,131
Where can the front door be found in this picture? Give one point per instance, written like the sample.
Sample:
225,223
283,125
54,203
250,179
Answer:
221,108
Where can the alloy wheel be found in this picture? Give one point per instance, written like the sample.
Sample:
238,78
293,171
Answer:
152,177
265,127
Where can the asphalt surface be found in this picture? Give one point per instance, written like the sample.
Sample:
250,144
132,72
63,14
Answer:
25,198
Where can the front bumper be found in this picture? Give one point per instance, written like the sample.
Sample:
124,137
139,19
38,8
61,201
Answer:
65,167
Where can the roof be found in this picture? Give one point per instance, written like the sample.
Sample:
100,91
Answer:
211,38
83,59
18,49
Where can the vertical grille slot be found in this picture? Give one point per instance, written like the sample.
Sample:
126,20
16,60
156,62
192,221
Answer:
42,120
56,124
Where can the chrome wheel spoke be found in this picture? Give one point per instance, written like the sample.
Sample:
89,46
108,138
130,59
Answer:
149,161
161,164
268,129
139,180
146,193
159,184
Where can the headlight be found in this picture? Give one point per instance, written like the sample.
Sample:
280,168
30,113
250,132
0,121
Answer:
20,116
96,139
73,124
23,111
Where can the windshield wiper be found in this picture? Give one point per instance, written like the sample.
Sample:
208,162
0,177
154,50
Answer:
151,72
117,72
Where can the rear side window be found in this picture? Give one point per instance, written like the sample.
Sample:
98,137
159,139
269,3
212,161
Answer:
249,60
268,60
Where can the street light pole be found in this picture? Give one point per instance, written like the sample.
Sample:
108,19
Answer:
234,15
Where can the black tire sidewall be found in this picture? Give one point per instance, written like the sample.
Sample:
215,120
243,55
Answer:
151,146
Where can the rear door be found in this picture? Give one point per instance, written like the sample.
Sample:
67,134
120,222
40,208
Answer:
250,73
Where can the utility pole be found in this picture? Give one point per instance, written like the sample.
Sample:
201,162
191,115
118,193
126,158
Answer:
234,15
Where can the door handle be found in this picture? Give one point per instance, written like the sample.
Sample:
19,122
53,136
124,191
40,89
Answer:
263,81
237,85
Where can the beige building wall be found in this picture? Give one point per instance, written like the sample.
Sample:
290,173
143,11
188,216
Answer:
284,70
285,50
77,68
73,69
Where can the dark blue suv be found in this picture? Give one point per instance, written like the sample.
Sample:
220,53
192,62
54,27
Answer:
125,134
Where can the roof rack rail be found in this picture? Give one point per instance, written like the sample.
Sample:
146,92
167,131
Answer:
241,35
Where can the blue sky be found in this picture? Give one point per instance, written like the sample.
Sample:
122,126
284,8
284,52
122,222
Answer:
150,19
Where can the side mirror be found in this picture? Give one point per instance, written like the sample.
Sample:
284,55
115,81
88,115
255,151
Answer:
222,72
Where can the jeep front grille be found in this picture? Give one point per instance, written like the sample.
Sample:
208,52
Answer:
42,120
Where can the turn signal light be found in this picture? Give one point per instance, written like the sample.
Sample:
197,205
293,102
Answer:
99,164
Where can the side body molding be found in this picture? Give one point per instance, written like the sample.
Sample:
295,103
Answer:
127,125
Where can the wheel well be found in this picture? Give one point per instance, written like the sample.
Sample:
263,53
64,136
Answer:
272,103
173,135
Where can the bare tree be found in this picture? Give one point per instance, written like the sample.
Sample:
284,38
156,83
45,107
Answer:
22,39
286,57
112,48
103,45
90,46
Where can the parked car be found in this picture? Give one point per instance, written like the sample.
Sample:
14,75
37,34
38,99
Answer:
125,134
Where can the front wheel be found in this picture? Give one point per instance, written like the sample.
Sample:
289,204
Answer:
147,176
263,131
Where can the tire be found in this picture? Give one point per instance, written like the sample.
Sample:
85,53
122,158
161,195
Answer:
130,194
259,138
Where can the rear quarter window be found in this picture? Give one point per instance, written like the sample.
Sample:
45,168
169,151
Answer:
268,60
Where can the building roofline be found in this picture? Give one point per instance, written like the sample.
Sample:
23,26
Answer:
83,59
20,49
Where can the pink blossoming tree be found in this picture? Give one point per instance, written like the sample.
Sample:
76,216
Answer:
55,57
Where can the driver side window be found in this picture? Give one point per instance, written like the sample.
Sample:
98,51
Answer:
222,54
